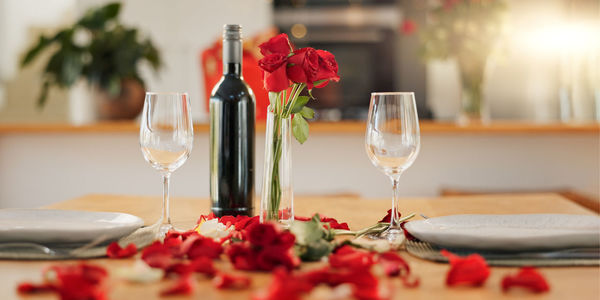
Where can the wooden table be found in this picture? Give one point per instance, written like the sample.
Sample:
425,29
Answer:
566,282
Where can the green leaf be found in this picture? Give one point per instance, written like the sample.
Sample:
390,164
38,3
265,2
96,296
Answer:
43,42
300,128
306,232
300,102
114,86
307,112
311,239
43,94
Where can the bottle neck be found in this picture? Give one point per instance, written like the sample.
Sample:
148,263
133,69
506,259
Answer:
232,57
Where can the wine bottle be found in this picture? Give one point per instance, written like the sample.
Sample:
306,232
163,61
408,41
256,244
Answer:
232,118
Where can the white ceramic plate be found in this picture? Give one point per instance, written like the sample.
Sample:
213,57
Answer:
509,232
49,226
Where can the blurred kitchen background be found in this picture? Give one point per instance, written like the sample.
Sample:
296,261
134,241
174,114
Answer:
544,69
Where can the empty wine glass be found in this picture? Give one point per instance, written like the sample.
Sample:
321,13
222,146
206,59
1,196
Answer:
166,136
392,143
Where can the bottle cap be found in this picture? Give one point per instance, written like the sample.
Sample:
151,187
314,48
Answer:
232,32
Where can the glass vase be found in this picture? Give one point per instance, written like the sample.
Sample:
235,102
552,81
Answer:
277,199
473,109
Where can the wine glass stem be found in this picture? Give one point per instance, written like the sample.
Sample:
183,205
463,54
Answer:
166,214
395,211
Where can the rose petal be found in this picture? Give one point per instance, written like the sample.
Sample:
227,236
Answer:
32,288
277,44
157,255
348,257
114,250
470,270
232,282
528,278
183,286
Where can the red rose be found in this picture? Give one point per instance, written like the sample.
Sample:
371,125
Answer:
241,256
395,266
262,234
277,44
273,256
276,81
328,69
285,239
272,62
303,66
469,270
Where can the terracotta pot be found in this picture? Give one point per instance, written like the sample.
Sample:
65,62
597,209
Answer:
126,106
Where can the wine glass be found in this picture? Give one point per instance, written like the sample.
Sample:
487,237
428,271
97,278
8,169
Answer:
166,136
392,144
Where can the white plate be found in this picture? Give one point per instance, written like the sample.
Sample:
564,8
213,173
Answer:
49,226
509,232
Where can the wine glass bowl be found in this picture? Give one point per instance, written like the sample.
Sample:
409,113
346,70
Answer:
392,142
166,137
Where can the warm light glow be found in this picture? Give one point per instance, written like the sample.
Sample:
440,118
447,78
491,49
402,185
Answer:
565,38
298,31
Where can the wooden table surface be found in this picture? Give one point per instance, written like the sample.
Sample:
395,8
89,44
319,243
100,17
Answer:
565,282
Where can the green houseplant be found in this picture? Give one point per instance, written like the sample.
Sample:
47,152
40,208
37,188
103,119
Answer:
107,54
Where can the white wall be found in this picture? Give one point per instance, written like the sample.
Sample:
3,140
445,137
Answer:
38,169
181,29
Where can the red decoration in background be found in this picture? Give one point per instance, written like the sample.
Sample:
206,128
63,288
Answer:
115,251
528,278
408,27
470,270
211,64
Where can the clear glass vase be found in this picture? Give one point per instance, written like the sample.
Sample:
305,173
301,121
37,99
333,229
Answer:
473,108
277,199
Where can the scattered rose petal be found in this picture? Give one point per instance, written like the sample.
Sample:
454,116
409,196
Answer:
157,255
284,286
407,234
225,281
470,270
528,278
387,218
32,288
348,257
203,246
183,286
333,223
71,282
114,250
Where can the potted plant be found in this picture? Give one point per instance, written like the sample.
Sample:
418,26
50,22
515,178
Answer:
103,52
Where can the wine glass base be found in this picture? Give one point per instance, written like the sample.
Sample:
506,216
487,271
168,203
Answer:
164,229
395,236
